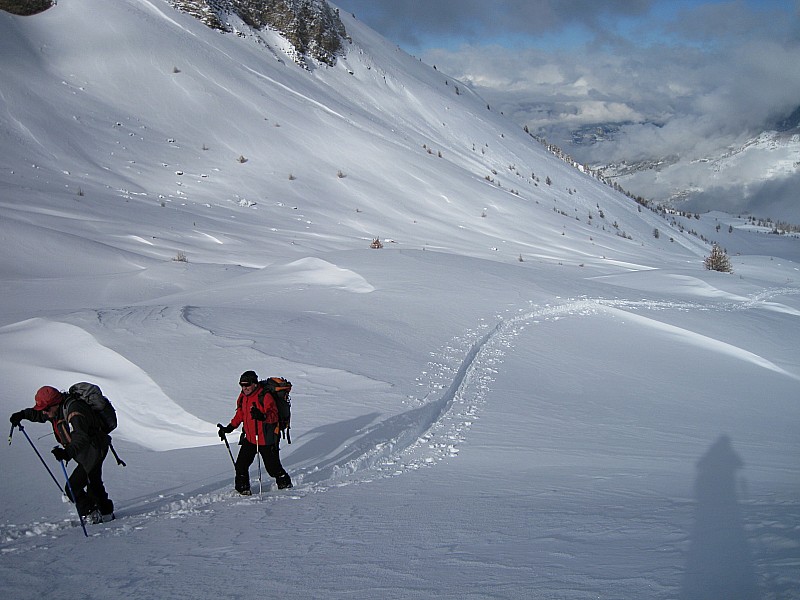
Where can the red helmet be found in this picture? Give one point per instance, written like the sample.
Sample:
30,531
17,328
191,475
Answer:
46,397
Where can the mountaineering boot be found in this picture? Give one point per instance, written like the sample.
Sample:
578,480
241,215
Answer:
96,517
242,484
105,508
284,481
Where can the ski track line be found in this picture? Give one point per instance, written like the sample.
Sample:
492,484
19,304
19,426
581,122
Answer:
427,433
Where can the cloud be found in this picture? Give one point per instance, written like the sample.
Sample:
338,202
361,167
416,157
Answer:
771,197
680,81
724,72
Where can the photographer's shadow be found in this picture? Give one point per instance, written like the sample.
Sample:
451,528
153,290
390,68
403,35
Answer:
719,564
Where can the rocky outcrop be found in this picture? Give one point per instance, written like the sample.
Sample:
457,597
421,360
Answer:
25,7
311,26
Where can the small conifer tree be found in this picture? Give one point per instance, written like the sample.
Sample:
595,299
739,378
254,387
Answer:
718,260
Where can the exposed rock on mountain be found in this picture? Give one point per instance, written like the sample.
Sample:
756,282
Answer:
25,7
311,26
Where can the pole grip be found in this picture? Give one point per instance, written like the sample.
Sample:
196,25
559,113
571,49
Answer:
227,445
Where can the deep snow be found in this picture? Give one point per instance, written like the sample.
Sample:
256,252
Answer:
511,399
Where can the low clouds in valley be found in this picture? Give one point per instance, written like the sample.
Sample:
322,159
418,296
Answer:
682,80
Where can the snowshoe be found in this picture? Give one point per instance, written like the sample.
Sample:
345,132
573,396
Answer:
284,482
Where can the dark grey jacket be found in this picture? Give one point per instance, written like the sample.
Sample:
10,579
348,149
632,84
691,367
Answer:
79,429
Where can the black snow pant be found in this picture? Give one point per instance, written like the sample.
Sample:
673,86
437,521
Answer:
90,493
247,453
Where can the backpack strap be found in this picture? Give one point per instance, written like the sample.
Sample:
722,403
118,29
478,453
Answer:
114,452
68,410
282,429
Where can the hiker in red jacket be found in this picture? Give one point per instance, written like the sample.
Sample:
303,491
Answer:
257,412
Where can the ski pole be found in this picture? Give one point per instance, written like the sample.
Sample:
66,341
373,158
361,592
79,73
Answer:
71,493
258,454
30,441
225,439
10,435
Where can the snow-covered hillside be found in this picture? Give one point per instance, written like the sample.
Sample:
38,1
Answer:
758,176
525,393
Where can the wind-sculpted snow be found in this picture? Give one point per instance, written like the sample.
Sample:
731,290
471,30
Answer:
315,271
146,415
689,337
453,392
459,383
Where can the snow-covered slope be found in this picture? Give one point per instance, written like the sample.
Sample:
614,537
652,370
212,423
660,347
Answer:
758,176
508,400
380,144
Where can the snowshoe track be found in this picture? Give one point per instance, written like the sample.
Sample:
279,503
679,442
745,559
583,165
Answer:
458,381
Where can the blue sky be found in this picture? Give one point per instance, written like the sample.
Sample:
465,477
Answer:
422,25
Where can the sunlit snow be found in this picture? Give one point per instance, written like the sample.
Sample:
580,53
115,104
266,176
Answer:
525,393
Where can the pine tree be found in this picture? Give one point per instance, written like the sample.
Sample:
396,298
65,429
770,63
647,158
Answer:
718,260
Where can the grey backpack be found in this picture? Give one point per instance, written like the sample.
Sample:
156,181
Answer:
92,395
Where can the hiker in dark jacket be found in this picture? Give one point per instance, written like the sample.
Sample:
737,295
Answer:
79,431
257,412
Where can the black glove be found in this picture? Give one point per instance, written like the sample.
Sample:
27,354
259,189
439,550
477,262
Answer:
60,453
257,414
223,429
16,418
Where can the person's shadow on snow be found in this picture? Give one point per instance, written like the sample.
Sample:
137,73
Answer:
326,439
719,564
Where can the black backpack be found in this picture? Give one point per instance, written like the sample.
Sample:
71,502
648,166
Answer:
92,395
279,388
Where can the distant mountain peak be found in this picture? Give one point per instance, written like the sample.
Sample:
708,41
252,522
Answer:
312,27
791,122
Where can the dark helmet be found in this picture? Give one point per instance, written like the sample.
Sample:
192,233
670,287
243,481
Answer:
46,397
248,377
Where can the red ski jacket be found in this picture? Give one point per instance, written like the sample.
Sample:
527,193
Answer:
266,429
